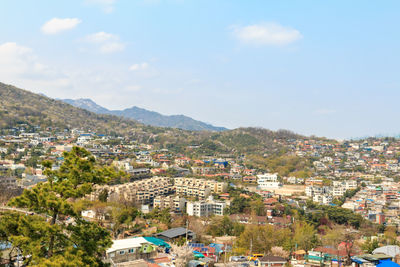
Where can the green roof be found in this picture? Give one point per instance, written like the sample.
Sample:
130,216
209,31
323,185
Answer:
157,241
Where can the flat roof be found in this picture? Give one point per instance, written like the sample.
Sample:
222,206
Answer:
121,244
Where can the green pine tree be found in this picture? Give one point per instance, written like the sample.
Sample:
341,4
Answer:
57,235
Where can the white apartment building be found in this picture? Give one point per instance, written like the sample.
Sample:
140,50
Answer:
316,190
347,185
84,139
338,191
205,208
323,199
352,184
268,181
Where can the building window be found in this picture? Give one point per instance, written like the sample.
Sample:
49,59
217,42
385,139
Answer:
122,252
131,250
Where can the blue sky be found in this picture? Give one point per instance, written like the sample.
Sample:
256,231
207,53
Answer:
328,68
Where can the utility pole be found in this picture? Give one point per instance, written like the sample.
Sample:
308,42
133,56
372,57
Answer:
187,225
187,243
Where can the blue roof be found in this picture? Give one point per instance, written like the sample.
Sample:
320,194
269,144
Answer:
218,247
387,263
358,260
196,245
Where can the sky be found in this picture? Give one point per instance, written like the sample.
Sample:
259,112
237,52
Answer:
325,68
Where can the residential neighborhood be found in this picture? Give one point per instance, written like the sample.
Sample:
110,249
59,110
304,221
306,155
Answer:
201,195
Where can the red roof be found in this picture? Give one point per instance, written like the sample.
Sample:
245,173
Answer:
270,201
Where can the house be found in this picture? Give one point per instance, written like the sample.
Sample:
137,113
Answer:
124,250
182,161
268,180
272,261
175,233
331,255
249,179
379,260
221,163
248,219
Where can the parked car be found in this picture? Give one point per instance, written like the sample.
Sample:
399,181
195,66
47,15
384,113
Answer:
238,258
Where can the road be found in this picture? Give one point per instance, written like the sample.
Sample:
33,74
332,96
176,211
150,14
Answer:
6,208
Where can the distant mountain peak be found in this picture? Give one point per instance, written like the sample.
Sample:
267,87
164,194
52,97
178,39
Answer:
87,104
147,116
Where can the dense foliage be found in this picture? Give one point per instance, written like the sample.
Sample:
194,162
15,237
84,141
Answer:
58,234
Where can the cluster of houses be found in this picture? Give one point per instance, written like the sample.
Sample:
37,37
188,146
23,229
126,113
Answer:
371,165
161,249
377,202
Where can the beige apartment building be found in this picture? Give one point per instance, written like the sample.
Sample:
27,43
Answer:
174,203
142,191
198,188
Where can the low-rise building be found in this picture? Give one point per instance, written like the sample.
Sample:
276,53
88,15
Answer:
198,188
142,191
268,180
206,208
174,203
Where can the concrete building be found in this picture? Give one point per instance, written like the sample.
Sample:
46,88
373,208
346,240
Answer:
142,191
206,208
198,188
268,181
174,203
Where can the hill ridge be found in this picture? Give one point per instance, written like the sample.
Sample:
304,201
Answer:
148,117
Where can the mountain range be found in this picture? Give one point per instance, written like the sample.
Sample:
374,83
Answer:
22,109
146,116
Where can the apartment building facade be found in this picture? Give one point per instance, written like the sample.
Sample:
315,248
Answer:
141,192
173,202
198,188
206,208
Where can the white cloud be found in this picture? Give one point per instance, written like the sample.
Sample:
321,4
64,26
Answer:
106,5
101,37
266,34
17,60
105,42
57,25
139,66
20,66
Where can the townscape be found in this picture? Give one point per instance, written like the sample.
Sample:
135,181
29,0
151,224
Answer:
199,133
313,201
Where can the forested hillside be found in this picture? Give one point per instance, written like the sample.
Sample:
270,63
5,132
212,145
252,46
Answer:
19,106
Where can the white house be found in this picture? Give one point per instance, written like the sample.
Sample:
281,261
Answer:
268,181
